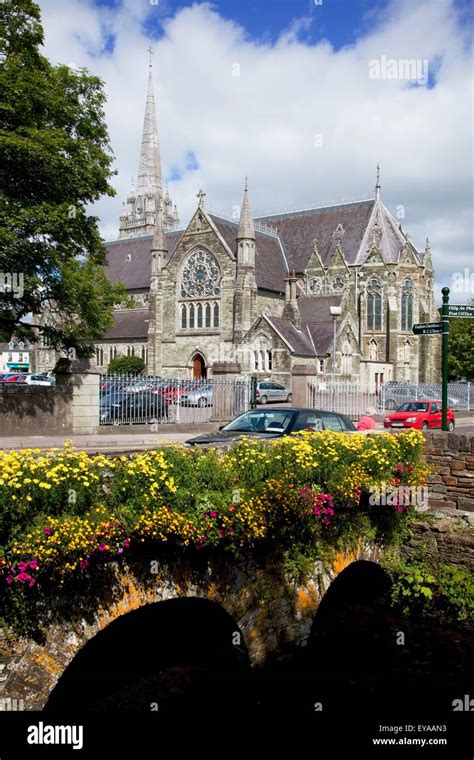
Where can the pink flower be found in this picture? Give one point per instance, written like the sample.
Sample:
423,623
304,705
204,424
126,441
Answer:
232,508
120,551
32,582
33,564
220,532
126,543
22,566
213,514
9,579
83,564
47,531
102,547
400,467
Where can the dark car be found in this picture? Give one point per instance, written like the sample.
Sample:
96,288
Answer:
121,408
275,423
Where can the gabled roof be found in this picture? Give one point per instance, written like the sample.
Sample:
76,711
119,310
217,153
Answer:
316,318
129,323
298,340
298,229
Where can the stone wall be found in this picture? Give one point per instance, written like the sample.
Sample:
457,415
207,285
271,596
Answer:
35,410
451,482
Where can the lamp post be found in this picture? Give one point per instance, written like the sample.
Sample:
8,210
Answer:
336,312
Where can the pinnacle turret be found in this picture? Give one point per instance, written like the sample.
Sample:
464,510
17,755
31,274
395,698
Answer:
246,227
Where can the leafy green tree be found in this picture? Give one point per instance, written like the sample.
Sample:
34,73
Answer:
55,159
461,349
126,364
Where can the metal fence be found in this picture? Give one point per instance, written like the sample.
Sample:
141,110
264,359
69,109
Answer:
343,396
352,399
139,399
393,394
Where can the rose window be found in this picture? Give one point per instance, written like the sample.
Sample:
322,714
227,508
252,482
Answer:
201,277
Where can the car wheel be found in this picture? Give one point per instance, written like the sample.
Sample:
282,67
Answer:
451,426
202,402
262,400
290,398
425,426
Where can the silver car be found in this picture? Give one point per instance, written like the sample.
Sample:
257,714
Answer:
269,391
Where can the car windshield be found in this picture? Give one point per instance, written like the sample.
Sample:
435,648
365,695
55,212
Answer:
261,422
413,406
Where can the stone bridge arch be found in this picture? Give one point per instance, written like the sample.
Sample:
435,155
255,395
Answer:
271,610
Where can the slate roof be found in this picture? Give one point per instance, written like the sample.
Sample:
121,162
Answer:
129,323
298,229
129,260
317,326
270,262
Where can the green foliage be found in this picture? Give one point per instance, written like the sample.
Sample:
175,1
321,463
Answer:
422,587
461,355
55,159
126,365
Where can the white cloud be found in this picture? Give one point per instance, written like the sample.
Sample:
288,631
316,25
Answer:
264,122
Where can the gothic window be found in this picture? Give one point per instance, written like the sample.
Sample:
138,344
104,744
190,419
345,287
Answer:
99,356
269,359
257,360
321,366
201,276
111,354
263,353
338,283
316,285
374,305
200,281
407,306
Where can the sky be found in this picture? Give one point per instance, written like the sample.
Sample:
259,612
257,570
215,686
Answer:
304,97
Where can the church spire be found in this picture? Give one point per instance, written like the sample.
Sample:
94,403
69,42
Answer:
138,217
246,228
149,171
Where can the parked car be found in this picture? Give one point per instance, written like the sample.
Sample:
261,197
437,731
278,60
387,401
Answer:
120,408
201,396
41,378
421,415
269,391
395,394
275,423
13,377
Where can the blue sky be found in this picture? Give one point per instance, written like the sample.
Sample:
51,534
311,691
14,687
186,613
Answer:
303,117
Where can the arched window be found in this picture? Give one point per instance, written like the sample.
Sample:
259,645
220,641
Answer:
208,315
216,315
199,315
346,364
191,316
200,283
374,305
407,306
263,353
183,317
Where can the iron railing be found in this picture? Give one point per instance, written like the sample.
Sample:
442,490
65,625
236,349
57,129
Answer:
127,399
352,399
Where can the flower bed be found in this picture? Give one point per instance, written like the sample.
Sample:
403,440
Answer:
63,512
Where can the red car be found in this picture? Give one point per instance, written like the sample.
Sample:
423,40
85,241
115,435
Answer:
421,415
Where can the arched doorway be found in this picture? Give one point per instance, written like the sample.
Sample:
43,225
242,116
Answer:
199,366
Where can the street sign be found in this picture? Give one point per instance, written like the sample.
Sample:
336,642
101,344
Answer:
461,310
428,328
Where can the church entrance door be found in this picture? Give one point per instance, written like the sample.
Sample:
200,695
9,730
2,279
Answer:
199,366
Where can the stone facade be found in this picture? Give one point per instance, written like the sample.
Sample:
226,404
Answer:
265,292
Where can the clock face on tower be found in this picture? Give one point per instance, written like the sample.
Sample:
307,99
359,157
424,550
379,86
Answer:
201,276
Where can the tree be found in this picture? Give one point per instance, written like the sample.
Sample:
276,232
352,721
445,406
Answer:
132,365
55,159
461,353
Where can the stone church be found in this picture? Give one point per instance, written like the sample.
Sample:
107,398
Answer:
338,283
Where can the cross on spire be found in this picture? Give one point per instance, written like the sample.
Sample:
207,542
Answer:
377,185
150,51
201,195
